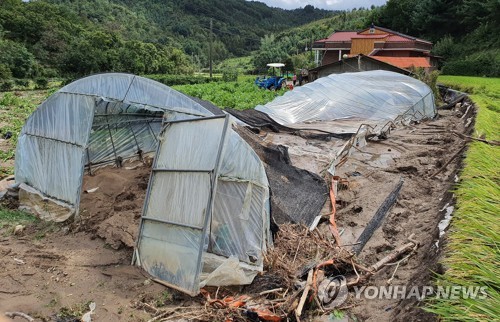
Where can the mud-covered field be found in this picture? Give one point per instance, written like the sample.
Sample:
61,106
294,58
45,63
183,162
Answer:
53,271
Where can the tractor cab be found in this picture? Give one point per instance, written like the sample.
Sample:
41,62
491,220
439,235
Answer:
273,82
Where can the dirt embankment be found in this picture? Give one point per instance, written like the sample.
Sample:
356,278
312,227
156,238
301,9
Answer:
53,271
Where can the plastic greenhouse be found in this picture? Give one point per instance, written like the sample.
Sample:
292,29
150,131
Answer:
207,205
340,103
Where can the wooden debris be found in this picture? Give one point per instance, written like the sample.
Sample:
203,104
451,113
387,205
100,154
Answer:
300,307
12,315
459,152
376,220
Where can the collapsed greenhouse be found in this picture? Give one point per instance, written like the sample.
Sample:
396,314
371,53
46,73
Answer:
208,209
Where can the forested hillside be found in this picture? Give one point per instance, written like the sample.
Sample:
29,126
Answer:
79,37
71,38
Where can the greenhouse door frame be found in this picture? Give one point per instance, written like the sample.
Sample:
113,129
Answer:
145,219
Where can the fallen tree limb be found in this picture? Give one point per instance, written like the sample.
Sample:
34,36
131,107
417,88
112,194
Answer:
459,152
467,137
392,257
12,315
377,218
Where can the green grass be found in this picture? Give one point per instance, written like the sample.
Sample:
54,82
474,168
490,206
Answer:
15,108
472,255
243,94
11,218
241,64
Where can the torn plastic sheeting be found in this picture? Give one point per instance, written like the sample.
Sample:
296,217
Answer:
374,95
229,272
229,218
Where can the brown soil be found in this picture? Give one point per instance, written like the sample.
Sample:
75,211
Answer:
414,154
53,271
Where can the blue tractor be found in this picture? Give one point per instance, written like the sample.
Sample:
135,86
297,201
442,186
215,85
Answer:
272,82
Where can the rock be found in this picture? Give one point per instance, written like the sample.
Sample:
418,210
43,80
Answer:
19,229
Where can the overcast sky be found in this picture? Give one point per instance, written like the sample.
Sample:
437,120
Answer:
324,4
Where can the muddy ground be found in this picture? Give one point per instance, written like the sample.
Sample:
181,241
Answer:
53,271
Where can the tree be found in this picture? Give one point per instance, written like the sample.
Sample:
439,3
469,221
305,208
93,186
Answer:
16,58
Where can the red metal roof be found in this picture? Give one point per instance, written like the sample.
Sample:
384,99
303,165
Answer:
376,36
342,36
397,38
404,62
392,36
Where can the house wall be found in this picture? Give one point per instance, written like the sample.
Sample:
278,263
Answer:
332,56
351,65
363,46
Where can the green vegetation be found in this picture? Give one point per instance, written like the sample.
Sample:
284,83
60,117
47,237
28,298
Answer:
49,38
473,250
243,65
171,80
15,107
466,33
10,218
242,94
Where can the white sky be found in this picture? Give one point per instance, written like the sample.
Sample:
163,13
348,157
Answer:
324,4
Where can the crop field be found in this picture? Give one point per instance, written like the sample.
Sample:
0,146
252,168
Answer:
472,254
15,107
240,95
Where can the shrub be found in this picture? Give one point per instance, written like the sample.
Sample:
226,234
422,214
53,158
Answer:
5,72
230,75
6,85
41,83
22,82
481,64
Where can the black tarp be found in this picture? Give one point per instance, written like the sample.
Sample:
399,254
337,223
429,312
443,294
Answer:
297,195
260,120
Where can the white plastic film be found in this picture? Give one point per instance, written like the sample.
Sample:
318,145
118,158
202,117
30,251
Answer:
190,145
238,221
170,253
373,97
52,167
179,197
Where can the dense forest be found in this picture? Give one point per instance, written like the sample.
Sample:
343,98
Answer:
79,37
71,38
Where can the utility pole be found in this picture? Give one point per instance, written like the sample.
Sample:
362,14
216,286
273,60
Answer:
210,48
312,42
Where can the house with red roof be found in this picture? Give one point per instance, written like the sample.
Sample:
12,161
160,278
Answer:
379,43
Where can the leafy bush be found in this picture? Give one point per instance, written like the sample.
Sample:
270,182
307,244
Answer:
6,85
5,72
171,80
41,82
230,75
481,64
22,82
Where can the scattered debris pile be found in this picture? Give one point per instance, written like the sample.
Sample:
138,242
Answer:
301,275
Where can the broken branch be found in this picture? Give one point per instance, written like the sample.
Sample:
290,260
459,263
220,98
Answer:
12,315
